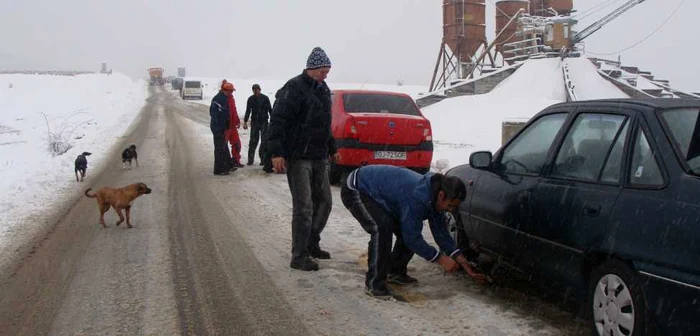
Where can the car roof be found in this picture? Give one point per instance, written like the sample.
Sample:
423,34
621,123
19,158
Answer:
371,92
654,103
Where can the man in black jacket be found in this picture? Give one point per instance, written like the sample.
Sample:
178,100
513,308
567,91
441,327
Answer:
220,120
258,111
300,142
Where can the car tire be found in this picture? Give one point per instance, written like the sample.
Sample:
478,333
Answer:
460,237
457,231
335,174
622,307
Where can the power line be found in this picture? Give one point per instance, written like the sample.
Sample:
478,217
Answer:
647,37
594,9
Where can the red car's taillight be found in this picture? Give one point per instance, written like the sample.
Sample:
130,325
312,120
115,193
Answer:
426,133
350,131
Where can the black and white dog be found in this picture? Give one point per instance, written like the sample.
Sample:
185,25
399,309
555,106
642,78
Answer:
129,154
81,166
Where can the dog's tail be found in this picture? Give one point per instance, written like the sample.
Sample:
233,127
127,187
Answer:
87,193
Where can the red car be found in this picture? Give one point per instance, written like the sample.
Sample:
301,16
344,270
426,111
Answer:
374,127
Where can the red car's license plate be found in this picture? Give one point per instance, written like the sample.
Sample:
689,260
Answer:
386,155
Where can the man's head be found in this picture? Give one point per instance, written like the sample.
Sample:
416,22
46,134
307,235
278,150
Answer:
318,65
256,89
447,191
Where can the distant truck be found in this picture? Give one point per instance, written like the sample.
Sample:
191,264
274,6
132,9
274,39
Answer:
181,72
156,76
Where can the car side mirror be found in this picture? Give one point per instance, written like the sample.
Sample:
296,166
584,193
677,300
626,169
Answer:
480,160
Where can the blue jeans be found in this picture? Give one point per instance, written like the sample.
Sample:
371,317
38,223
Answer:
311,204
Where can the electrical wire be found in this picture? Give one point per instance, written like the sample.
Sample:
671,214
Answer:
594,9
647,37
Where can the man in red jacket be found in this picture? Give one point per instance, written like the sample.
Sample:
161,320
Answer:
232,132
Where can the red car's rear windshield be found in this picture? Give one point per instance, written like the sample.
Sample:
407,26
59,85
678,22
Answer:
379,103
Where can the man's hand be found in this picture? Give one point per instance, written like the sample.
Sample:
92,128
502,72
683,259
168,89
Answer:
447,264
238,126
478,277
335,157
245,125
279,164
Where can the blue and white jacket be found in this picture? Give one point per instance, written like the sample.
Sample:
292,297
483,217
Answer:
406,194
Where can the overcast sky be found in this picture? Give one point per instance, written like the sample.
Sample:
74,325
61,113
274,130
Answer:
377,41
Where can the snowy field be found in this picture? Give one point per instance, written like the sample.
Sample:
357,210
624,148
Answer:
89,112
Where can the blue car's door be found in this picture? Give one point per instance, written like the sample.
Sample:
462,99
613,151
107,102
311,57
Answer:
573,203
500,203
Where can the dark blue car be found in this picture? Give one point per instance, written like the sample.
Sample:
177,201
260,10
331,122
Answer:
605,197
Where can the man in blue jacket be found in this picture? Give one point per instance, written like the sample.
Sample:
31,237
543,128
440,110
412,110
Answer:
220,120
390,200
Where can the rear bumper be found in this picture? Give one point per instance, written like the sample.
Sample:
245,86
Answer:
355,154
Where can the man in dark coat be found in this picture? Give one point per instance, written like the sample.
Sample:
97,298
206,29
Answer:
300,143
220,122
257,110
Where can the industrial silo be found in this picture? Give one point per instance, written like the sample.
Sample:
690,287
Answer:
464,26
505,10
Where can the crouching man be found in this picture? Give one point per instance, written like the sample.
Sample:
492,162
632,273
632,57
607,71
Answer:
389,200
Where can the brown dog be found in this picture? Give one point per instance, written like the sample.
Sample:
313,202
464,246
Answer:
119,198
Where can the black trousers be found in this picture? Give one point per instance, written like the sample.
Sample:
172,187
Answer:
222,157
381,225
257,133
311,204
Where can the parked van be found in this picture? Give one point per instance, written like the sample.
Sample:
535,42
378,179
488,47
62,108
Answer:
191,89
374,127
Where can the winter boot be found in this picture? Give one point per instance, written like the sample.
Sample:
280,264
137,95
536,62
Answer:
305,264
318,253
382,293
401,279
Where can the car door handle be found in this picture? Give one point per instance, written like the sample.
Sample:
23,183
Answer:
591,210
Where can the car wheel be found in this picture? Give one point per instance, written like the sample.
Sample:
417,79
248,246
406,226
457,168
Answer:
615,300
457,231
335,174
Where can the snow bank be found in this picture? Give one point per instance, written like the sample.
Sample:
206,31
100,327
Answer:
470,123
93,111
